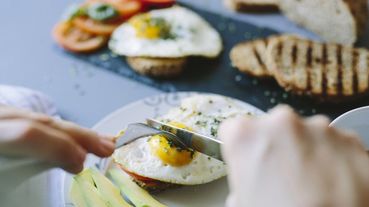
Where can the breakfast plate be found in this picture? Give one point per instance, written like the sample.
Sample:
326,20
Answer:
212,194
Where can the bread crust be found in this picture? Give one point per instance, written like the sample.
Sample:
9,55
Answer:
359,9
244,6
249,57
157,67
159,186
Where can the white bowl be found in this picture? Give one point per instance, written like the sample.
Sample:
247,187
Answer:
356,120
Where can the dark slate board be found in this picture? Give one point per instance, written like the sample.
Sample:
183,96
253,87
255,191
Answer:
217,76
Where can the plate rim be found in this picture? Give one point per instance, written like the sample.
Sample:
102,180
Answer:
347,114
116,111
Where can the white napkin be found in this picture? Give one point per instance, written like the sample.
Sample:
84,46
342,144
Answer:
13,172
27,99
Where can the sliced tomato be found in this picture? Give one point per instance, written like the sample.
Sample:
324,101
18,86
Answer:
156,4
94,27
126,8
74,39
137,177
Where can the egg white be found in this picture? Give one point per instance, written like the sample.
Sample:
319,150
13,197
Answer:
195,37
137,157
204,113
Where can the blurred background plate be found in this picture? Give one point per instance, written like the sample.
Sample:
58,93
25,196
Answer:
356,120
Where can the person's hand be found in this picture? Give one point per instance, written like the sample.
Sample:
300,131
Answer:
57,142
282,160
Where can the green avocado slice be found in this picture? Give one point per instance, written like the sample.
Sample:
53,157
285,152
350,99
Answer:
84,194
137,195
90,188
107,190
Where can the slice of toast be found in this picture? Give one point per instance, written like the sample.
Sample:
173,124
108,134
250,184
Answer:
336,21
250,57
323,70
157,67
253,5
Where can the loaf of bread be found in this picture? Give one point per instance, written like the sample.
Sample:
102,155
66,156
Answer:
336,21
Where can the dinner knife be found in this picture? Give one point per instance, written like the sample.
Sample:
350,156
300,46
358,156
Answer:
140,130
201,143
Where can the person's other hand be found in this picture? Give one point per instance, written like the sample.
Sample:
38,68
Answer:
281,159
60,143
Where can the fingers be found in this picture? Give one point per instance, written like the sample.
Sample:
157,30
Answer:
233,131
44,143
233,128
7,112
88,139
319,121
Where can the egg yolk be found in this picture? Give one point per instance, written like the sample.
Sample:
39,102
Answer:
179,125
168,153
150,27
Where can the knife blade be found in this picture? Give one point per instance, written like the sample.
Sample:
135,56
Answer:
201,143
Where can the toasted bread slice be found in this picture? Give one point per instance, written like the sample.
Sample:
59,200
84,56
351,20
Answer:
323,70
250,57
336,21
253,5
155,186
157,67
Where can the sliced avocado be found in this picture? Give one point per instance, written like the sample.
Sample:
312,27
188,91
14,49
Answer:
76,195
92,189
107,190
85,194
137,195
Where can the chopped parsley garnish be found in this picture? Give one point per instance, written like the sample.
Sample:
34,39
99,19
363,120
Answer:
213,131
201,123
101,12
216,121
165,28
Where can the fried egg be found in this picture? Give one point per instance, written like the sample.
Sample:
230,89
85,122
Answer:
168,33
157,158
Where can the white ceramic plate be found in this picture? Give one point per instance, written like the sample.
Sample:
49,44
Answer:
356,120
208,195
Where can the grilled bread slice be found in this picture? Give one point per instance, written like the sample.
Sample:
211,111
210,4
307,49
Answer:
326,70
253,5
336,21
250,57
157,67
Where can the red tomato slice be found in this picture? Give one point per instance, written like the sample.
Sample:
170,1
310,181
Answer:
94,27
154,4
126,8
76,40
146,180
